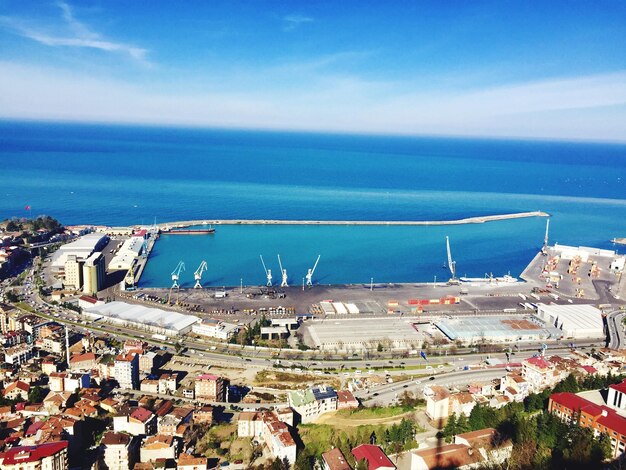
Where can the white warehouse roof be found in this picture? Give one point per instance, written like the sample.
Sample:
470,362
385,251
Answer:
82,248
149,316
579,321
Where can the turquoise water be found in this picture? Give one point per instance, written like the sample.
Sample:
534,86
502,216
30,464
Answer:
130,175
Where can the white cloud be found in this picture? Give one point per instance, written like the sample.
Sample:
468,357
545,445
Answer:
591,107
81,35
294,21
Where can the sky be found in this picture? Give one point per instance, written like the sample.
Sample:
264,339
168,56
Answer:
547,69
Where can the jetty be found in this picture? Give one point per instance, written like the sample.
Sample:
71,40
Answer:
468,220
619,241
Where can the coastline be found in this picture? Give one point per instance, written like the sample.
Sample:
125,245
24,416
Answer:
467,220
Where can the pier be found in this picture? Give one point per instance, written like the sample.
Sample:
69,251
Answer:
468,220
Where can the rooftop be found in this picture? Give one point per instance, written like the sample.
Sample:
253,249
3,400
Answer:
335,460
374,455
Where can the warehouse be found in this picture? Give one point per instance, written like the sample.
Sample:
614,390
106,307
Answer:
575,321
81,248
127,255
155,320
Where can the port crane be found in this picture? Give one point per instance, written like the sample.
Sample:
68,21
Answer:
284,273
544,250
309,274
268,272
175,277
198,275
451,263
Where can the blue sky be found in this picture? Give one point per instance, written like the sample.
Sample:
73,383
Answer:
552,69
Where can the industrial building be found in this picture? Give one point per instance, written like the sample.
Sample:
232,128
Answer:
574,321
88,274
128,253
152,319
81,248
496,329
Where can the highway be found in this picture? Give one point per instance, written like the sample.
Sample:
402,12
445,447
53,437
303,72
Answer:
615,326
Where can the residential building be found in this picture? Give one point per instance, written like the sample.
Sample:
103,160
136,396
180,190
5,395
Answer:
600,418
335,460
374,456
83,362
210,387
140,422
539,373
127,371
313,402
50,456
73,272
167,384
19,354
149,385
120,450
203,415
616,397
437,402
267,427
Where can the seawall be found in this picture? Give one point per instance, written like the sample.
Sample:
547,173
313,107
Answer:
468,220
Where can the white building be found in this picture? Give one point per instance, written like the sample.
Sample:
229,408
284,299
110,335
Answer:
82,248
313,402
213,328
155,320
268,427
18,354
583,252
575,321
127,254
127,371
49,456
119,450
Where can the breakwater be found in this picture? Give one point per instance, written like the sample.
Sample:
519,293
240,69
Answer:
467,220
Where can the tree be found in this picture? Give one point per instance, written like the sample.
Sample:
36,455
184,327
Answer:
361,465
450,429
36,394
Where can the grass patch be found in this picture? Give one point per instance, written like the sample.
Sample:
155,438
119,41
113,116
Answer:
375,412
25,306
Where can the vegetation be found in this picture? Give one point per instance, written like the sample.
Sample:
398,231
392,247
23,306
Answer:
246,336
374,412
44,222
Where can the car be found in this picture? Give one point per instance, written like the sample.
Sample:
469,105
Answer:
431,378
375,394
238,462
405,386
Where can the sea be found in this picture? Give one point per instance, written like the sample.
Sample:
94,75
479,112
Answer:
132,175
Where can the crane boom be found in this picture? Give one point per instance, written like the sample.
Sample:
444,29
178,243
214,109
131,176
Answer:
263,263
283,272
198,275
268,272
309,274
315,265
451,264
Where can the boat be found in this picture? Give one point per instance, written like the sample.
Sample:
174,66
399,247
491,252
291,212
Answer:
196,231
506,279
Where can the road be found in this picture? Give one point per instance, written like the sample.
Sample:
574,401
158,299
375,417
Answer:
387,394
615,326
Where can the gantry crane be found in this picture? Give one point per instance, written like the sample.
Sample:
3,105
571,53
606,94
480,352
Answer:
198,275
309,274
284,273
268,273
175,277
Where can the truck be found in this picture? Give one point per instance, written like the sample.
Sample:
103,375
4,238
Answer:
159,337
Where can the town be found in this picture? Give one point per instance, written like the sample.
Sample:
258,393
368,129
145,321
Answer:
100,373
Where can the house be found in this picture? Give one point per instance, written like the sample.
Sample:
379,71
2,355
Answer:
149,385
203,415
16,389
158,447
120,450
167,384
539,373
345,399
83,362
374,456
335,460
461,404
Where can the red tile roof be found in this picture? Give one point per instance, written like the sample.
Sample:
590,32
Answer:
621,387
539,361
601,414
141,414
335,460
27,454
374,456
208,377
